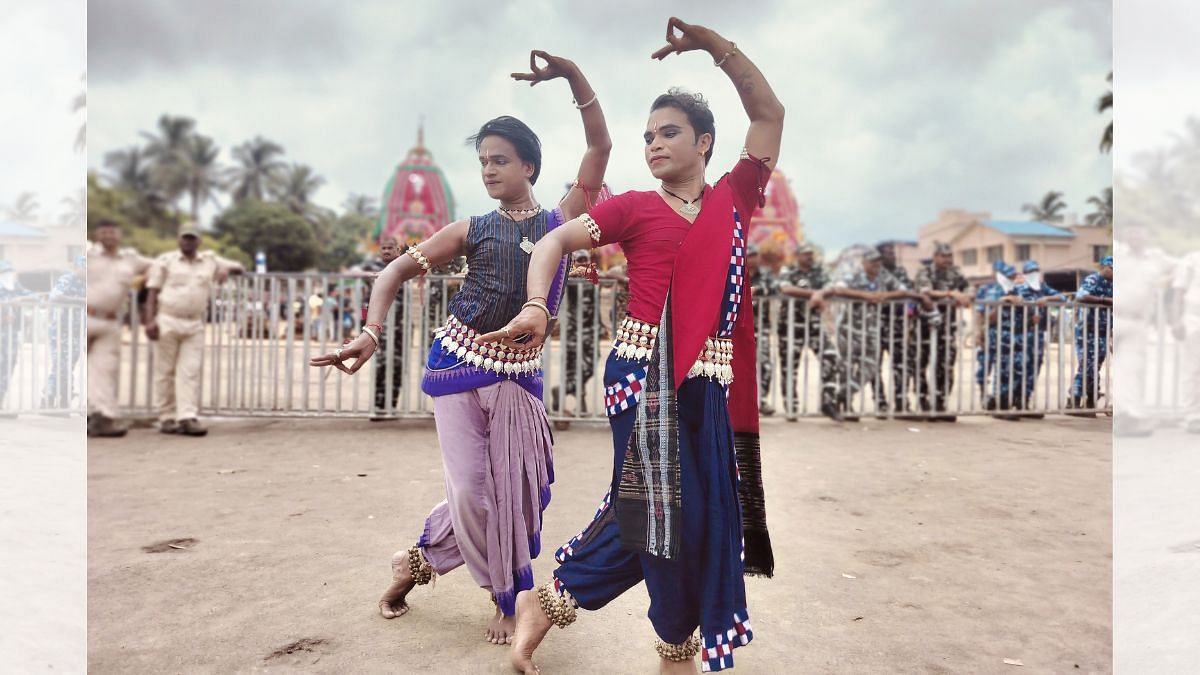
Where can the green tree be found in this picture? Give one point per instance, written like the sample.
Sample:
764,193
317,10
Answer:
1103,205
1106,103
362,205
287,238
295,186
76,209
168,150
24,210
1049,209
258,163
343,245
202,174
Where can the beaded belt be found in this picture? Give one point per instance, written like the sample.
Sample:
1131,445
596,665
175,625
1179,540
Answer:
459,339
635,340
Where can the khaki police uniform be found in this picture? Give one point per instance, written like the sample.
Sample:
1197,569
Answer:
109,278
184,286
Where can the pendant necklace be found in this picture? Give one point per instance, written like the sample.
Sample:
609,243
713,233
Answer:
689,207
517,215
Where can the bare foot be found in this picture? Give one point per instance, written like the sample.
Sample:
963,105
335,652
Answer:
532,626
667,667
392,604
501,629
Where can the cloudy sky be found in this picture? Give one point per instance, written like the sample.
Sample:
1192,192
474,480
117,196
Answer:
894,110
43,52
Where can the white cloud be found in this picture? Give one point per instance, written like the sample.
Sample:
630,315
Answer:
895,111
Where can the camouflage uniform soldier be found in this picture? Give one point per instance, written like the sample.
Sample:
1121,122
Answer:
578,320
393,334
803,328
895,331
859,325
988,336
64,333
943,282
1033,323
1004,349
763,285
1091,332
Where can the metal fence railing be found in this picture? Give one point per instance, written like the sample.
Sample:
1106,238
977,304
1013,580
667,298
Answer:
884,359
41,344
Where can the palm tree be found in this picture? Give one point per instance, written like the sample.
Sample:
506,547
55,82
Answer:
295,187
24,209
1106,103
129,169
76,213
1102,216
361,205
259,164
80,103
169,151
1049,209
202,174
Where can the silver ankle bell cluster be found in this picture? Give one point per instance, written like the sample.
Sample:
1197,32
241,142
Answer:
635,340
459,339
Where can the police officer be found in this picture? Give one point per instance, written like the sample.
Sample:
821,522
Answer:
943,283
180,283
1095,296
68,289
802,327
859,325
393,334
110,274
762,286
895,330
1033,322
12,296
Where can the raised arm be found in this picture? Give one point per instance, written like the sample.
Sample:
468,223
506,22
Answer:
762,106
595,130
446,244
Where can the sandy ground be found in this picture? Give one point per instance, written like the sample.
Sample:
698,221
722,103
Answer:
42,545
900,548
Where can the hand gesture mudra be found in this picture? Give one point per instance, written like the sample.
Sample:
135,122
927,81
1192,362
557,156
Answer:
691,37
530,326
360,349
556,66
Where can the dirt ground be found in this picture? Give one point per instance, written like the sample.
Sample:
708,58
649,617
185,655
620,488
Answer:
901,548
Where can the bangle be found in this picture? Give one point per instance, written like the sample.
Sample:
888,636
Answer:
377,326
732,50
371,334
581,107
415,253
539,297
539,305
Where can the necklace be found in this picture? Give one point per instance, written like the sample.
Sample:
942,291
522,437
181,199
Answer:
689,207
523,213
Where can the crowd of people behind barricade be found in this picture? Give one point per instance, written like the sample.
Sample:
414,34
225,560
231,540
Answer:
859,325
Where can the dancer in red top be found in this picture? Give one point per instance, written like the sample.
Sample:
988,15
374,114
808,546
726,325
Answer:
685,512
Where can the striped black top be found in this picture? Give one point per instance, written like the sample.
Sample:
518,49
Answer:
494,289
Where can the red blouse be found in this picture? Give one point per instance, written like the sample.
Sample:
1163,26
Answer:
650,233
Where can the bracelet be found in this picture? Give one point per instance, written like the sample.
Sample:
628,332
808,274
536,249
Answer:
539,297
539,305
415,253
732,50
592,228
377,326
371,334
581,107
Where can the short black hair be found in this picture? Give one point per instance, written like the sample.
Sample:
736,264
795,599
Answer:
513,130
697,111
107,222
